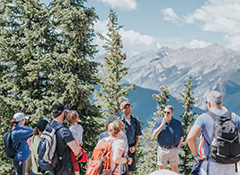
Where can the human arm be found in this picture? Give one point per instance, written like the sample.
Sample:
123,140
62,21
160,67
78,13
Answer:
180,143
118,149
159,128
133,148
191,140
21,133
76,149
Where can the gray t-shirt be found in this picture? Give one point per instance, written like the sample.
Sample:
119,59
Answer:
77,132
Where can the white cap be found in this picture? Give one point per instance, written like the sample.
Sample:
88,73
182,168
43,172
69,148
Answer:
19,116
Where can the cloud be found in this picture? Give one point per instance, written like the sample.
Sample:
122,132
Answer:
220,16
197,44
126,5
170,15
133,42
233,41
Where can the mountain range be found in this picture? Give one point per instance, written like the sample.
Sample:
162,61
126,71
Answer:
211,68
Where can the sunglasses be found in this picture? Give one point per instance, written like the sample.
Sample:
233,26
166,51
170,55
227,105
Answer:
166,112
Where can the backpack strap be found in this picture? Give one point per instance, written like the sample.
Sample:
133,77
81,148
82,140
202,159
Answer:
215,116
18,143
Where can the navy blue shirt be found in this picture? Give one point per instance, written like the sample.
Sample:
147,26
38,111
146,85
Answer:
130,129
64,136
170,133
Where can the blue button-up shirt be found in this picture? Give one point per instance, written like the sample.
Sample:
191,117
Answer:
170,133
130,129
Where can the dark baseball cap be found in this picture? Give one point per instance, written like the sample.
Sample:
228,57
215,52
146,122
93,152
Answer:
41,125
57,107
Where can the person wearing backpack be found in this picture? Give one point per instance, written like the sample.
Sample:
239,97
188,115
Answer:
108,154
215,125
65,142
20,134
110,119
132,131
34,141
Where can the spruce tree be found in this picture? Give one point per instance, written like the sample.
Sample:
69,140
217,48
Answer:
71,67
47,56
188,117
23,34
147,151
112,92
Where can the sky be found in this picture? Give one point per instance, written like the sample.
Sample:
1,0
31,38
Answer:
152,24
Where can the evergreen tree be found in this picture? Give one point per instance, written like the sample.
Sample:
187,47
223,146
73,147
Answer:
46,56
72,71
147,151
111,92
187,160
23,32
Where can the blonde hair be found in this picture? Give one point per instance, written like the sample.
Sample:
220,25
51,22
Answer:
115,127
72,116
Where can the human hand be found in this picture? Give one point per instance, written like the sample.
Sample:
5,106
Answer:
130,160
199,158
133,149
164,120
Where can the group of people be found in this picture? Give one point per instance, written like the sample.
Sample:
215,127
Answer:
125,131
69,141
68,147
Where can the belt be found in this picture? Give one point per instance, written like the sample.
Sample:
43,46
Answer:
168,147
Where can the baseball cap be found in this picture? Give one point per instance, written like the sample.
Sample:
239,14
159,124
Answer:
111,118
41,124
19,116
123,104
57,107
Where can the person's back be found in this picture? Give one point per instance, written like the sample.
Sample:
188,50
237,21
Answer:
34,142
20,134
65,142
205,124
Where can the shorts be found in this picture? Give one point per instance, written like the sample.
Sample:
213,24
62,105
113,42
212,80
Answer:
167,155
216,168
132,167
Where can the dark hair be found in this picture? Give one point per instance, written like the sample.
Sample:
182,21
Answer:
13,121
72,116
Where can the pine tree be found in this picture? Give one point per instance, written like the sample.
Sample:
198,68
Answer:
147,151
72,71
187,160
112,92
46,56
23,32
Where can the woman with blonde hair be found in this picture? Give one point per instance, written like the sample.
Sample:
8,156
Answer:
115,131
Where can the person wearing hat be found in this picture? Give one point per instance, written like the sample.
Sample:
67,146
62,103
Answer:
20,134
65,141
132,131
34,142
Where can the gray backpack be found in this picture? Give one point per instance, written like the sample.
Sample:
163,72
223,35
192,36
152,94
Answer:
47,155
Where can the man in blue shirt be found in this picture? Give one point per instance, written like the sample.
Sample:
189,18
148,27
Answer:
169,133
204,123
132,131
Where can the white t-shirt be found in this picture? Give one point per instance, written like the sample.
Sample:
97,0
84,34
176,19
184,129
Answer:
118,144
77,132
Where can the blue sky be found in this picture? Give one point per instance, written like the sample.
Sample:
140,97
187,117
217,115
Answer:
152,24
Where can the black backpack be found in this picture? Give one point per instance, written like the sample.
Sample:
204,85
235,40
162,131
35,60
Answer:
225,147
9,148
